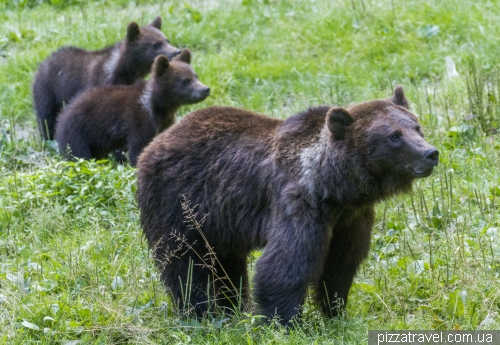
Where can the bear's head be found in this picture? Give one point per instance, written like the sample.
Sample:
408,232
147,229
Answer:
146,43
387,139
177,80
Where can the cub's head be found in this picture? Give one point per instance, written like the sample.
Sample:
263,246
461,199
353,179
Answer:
388,140
148,42
178,79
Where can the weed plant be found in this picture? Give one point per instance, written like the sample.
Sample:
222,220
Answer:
74,267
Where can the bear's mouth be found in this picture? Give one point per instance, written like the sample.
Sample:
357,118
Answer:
421,173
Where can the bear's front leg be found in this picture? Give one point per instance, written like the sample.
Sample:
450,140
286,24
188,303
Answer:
348,247
292,259
137,142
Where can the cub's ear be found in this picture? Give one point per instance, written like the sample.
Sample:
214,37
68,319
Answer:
156,23
184,56
160,65
399,97
133,31
337,120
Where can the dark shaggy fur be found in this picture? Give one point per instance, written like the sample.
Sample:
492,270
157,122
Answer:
303,188
71,70
105,119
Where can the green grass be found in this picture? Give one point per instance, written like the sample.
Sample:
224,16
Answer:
73,263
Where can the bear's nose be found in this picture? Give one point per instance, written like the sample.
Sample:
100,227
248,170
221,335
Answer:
432,156
176,52
206,91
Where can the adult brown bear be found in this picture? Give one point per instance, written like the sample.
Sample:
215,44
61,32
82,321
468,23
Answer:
303,188
71,70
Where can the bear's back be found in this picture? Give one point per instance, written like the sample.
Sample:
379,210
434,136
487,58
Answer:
215,133
223,124
75,60
70,70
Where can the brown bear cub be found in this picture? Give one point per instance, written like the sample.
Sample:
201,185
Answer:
71,70
303,188
104,119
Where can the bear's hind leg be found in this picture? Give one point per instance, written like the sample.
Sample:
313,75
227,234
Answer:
231,283
47,109
191,284
73,146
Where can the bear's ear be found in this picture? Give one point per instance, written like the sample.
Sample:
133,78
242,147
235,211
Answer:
133,31
156,23
161,65
337,120
399,97
184,56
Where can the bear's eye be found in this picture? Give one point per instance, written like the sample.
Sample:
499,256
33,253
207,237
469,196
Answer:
395,136
157,45
186,81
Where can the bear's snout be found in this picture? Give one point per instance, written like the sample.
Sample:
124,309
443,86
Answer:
200,93
432,156
424,166
174,53
206,91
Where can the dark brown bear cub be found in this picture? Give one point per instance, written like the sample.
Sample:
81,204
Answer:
105,119
71,70
303,188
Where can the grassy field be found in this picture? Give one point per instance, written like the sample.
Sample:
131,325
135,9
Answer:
74,267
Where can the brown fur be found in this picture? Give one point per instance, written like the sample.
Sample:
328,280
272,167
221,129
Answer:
303,188
104,119
71,70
